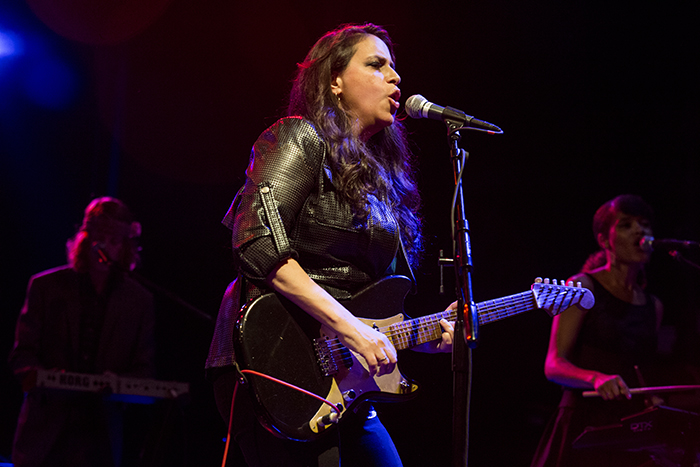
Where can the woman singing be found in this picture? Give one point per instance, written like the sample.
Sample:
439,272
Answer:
329,206
598,349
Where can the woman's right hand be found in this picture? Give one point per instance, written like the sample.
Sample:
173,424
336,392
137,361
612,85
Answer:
371,344
289,279
611,387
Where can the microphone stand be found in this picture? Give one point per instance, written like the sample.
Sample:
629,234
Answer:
103,258
467,321
675,254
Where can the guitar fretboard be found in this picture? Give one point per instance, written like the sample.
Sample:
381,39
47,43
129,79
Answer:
407,334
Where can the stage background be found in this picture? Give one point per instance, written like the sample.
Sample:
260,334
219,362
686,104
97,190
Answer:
158,103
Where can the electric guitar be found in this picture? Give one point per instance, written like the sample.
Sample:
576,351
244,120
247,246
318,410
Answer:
275,337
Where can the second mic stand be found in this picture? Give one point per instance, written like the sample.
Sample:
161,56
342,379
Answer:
675,254
467,321
103,258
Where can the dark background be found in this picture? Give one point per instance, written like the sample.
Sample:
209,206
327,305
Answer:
159,102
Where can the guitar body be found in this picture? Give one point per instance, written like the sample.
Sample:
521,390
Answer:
278,339
275,337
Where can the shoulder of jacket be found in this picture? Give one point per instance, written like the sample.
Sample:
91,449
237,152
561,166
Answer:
60,272
288,129
295,131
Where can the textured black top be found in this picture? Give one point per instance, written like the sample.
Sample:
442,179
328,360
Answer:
289,208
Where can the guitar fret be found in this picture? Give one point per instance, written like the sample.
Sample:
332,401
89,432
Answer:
505,307
410,333
406,334
417,331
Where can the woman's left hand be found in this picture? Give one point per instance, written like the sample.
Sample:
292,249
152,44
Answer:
443,345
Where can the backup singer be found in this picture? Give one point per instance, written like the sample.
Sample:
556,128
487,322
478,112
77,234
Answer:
329,206
599,348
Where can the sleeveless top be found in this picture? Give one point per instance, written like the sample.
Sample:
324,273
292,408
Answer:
616,335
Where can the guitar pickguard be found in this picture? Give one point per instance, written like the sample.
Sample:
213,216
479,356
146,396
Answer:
352,380
353,376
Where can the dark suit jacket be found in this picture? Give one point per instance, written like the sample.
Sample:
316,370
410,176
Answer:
47,336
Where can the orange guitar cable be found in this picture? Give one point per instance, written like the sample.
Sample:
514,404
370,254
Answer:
283,383
230,420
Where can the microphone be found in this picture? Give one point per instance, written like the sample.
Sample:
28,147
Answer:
102,257
649,243
418,106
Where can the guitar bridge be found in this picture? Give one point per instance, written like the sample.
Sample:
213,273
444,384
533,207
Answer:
330,353
325,356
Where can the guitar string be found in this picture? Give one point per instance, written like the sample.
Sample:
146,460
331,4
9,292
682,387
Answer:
512,304
418,330
424,329
427,328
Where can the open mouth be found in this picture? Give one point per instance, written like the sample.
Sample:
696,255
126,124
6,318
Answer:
394,99
394,103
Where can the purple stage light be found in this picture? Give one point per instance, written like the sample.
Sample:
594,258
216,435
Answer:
10,44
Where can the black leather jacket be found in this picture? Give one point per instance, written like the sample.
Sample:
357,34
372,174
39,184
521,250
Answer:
289,208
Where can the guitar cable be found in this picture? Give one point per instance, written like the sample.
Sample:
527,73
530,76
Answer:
230,421
271,378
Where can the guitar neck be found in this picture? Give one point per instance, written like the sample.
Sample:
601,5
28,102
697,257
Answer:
408,334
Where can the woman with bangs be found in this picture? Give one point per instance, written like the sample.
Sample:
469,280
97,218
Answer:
608,347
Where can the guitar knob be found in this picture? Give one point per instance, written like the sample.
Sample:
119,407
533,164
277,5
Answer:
349,395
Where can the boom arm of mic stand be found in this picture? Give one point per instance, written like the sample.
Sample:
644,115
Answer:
157,288
154,287
675,254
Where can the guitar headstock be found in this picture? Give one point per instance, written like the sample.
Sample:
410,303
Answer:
554,298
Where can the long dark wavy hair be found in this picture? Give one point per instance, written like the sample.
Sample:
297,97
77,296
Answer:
382,166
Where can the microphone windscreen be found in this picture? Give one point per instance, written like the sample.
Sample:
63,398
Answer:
414,106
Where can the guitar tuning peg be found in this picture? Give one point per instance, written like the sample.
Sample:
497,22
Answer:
578,284
546,280
570,283
538,280
554,281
